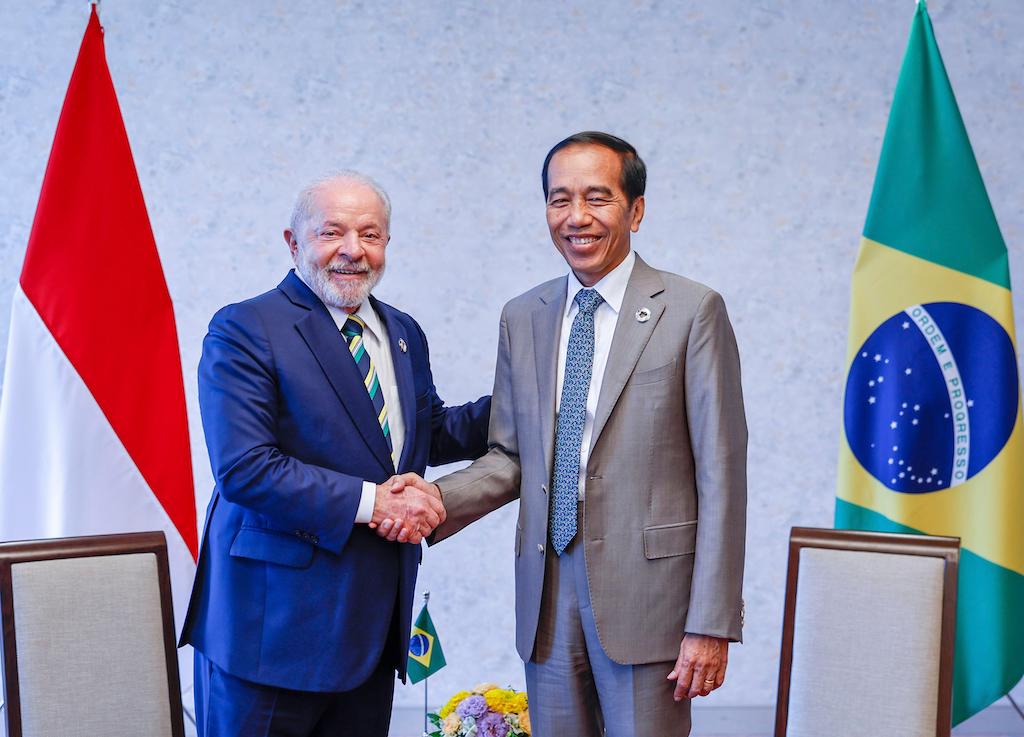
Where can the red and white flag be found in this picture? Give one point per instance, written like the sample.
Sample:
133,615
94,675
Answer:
93,431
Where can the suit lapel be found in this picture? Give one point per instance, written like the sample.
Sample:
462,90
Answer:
629,340
402,364
547,328
327,345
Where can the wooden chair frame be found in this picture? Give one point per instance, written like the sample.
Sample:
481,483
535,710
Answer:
947,548
83,547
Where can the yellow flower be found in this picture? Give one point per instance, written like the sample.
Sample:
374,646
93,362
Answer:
519,703
524,721
453,702
451,724
482,688
501,700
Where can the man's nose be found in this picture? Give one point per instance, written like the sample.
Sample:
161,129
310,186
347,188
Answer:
579,215
351,246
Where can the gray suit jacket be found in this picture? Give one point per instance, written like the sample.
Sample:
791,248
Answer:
664,513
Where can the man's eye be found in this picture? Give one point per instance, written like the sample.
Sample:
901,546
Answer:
371,236
327,234
598,200
558,203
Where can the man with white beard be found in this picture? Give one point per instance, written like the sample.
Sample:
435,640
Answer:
314,397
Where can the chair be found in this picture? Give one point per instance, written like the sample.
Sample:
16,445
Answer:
88,637
867,635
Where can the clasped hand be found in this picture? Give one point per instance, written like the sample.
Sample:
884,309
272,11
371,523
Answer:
407,508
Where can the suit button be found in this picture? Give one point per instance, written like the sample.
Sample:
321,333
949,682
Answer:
544,488
540,548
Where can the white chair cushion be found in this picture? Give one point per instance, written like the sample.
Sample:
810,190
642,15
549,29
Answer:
91,657
866,645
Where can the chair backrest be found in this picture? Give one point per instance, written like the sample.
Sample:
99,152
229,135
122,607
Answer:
88,637
867,635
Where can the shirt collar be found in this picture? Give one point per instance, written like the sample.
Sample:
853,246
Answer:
611,287
366,313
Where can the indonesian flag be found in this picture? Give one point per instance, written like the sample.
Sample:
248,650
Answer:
93,431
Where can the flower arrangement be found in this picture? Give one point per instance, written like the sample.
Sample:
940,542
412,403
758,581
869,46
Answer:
486,711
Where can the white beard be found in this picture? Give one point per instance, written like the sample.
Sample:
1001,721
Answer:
330,293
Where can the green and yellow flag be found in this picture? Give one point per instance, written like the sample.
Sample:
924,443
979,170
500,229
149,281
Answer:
425,654
932,438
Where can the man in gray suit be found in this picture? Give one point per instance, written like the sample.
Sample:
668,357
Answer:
617,421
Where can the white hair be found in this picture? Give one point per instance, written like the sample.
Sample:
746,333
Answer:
304,202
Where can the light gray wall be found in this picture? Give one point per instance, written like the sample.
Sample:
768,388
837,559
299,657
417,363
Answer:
761,124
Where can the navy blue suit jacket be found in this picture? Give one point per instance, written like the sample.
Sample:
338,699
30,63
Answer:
289,591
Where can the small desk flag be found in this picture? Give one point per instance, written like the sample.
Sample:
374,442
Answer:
425,654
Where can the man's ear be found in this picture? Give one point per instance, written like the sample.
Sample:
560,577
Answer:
638,214
293,245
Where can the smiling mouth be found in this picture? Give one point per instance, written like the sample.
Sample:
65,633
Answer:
348,272
581,240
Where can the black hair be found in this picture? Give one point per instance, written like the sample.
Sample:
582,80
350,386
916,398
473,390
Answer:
634,171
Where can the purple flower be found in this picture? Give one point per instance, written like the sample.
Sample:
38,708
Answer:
492,725
475,706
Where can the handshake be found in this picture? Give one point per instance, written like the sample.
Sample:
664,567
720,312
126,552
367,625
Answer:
407,508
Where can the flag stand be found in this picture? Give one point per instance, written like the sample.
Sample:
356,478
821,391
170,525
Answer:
426,681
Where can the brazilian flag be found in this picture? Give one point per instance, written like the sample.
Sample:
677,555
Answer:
425,654
932,421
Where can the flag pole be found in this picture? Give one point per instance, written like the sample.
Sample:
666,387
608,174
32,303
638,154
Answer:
426,680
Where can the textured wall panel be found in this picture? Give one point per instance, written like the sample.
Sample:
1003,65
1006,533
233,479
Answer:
761,124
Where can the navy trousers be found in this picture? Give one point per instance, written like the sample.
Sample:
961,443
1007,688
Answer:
227,706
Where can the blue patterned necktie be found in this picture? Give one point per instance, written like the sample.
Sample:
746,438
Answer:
353,332
572,414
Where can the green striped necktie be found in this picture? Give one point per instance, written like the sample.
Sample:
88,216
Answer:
353,332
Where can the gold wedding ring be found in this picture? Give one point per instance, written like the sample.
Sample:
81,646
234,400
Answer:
709,680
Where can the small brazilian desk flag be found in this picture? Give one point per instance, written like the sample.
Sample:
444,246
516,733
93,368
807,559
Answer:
425,654
932,439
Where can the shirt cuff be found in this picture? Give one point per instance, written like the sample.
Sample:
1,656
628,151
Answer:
364,514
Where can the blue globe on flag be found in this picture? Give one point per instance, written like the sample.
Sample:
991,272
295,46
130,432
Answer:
419,645
931,397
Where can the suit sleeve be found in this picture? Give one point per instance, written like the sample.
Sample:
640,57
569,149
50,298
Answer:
238,396
493,480
456,433
718,435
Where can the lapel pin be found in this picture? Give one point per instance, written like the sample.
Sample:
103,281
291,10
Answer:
402,346
643,314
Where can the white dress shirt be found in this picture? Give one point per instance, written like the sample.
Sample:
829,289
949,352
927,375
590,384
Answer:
375,341
612,289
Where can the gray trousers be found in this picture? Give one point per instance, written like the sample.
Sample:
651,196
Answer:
575,690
